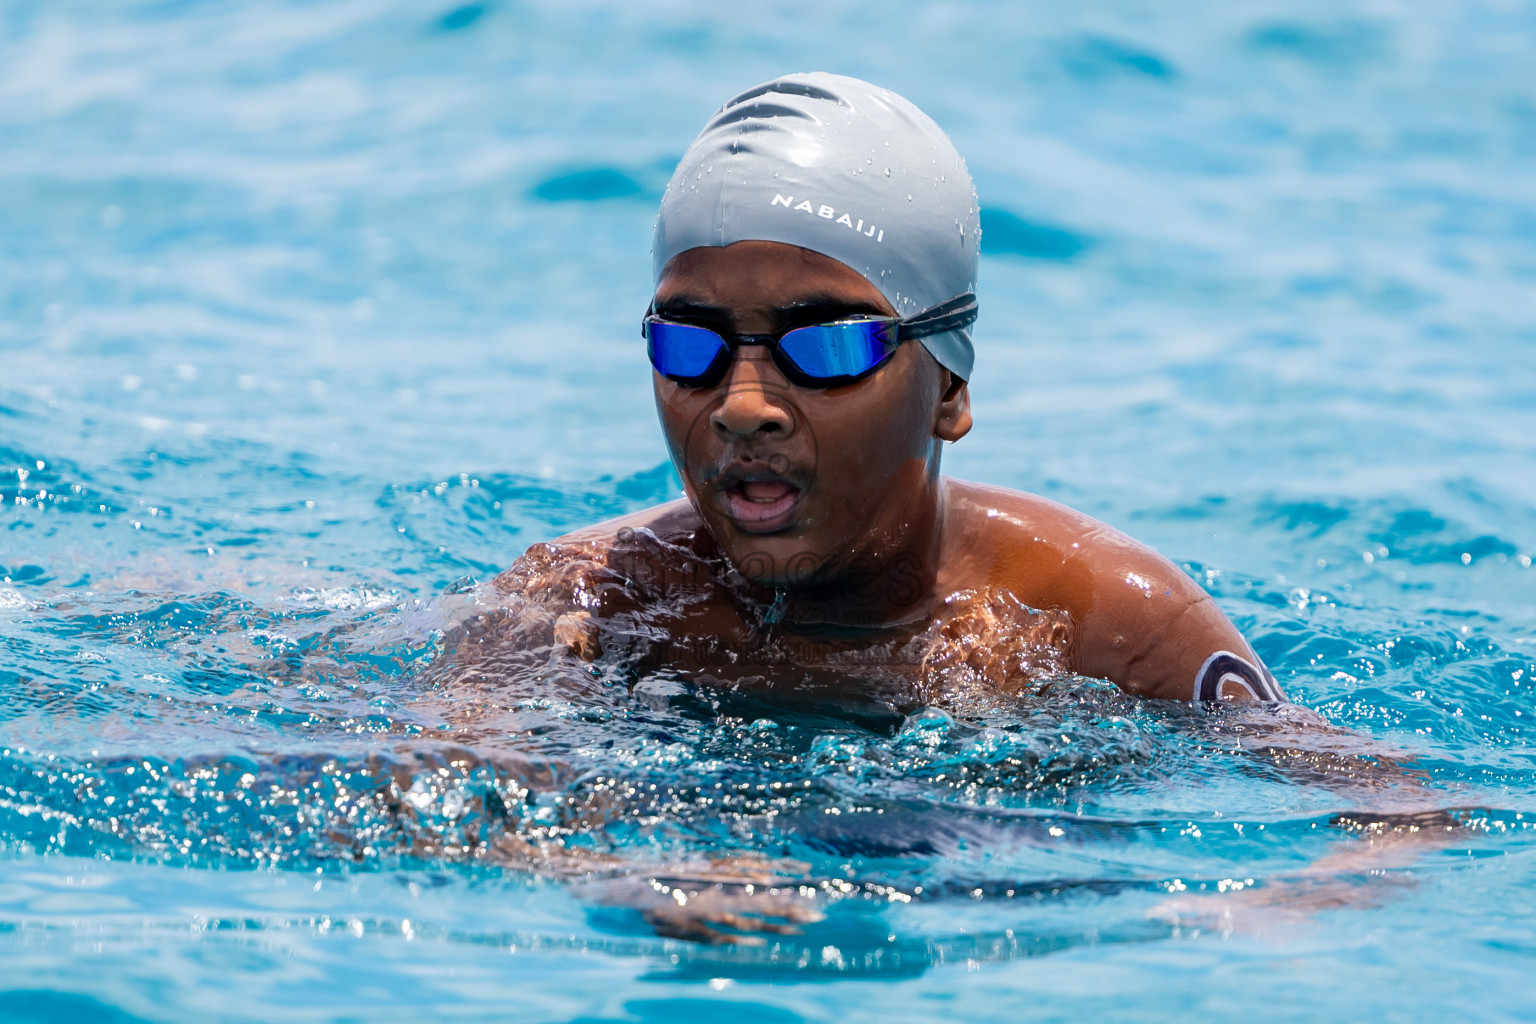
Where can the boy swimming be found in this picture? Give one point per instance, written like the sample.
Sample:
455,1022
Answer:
815,264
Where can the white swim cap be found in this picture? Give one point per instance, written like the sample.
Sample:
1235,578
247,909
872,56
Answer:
846,169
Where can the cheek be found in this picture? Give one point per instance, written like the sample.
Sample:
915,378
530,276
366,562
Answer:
870,431
871,444
675,411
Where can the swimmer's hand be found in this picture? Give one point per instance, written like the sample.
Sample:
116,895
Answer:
731,900
726,901
576,632
700,910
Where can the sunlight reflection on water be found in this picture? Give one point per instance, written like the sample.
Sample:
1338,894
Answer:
316,317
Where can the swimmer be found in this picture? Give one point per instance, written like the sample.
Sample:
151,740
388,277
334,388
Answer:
815,262
810,334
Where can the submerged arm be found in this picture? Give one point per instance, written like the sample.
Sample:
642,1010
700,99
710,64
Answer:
1360,872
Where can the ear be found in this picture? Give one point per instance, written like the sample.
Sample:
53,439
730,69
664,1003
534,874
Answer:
952,420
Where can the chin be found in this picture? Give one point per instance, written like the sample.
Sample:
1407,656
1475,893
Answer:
775,560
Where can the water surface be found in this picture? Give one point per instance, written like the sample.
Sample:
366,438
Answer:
314,316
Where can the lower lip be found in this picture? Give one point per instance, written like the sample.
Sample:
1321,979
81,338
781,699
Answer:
761,516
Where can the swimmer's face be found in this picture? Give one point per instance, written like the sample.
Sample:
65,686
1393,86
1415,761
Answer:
798,483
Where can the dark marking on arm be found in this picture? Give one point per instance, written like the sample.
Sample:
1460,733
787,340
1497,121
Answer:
1225,668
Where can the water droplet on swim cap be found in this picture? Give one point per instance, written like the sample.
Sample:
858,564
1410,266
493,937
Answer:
789,151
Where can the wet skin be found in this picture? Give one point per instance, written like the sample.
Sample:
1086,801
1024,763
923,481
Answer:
831,500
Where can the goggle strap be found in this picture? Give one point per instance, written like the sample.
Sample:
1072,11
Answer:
958,312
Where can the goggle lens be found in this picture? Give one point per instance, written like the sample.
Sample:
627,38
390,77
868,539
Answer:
682,351
839,350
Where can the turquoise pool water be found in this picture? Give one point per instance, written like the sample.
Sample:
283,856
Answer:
311,315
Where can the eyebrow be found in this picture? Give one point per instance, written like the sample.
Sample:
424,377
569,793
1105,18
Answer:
812,309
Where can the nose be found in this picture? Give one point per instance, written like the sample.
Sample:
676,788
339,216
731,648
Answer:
756,399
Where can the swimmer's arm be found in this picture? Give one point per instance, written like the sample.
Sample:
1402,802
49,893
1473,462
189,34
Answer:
1364,871
552,598
1137,619
500,638
1154,632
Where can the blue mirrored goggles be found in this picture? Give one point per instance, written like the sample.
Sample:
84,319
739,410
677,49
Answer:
818,356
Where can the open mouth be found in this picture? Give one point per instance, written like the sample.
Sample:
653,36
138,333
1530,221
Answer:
761,506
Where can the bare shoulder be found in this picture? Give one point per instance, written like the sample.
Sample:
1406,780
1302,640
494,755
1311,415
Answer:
672,521
1049,554
557,591
1138,619
1019,517
593,568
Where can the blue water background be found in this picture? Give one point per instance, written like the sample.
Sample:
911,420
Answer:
310,311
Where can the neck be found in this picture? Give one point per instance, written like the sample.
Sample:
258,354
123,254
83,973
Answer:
886,582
